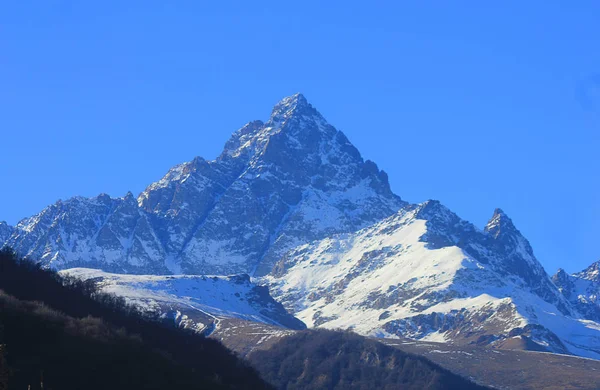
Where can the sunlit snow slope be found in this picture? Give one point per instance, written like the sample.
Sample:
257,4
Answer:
426,274
199,302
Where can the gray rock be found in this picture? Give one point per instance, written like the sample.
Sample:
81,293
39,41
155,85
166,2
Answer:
277,184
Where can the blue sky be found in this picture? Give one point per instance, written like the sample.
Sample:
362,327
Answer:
477,104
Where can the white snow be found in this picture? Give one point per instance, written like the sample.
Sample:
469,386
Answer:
336,280
214,296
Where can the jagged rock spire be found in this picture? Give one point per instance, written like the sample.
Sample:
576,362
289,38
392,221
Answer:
293,116
295,105
499,224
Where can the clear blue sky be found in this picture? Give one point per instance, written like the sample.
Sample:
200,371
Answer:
477,104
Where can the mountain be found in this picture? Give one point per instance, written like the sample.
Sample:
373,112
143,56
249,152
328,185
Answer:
276,185
582,289
426,274
196,302
292,203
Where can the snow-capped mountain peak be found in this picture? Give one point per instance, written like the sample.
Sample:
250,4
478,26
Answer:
500,224
277,184
290,104
427,274
294,107
591,273
294,124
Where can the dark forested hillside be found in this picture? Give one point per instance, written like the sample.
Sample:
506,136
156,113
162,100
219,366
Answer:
342,360
64,334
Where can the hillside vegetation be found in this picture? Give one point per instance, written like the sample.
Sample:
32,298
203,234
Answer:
335,360
61,334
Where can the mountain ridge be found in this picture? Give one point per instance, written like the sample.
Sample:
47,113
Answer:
273,180
426,274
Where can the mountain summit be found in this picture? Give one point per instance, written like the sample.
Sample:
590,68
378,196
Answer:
277,184
500,223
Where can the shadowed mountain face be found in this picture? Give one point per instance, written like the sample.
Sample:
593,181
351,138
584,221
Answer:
277,184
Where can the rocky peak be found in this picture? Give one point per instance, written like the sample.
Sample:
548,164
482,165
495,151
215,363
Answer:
431,208
502,229
277,184
129,197
582,289
500,224
561,274
294,124
444,228
564,282
293,106
591,273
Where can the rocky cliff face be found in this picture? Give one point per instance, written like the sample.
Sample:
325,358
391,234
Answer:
582,289
277,184
110,234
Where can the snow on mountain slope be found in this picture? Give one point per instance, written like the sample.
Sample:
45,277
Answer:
290,180
91,232
582,289
194,301
5,232
426,274
277,184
